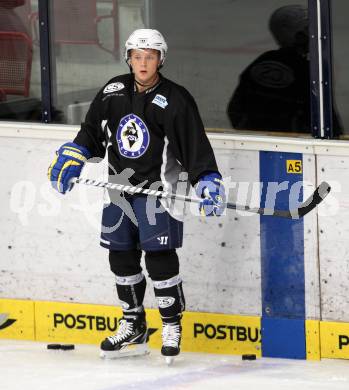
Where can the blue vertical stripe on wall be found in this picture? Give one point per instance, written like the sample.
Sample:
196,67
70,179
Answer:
282,262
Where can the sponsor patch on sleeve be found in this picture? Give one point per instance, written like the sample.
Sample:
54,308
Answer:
160,100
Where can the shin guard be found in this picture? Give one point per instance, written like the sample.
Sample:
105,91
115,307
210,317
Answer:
131,290
170,298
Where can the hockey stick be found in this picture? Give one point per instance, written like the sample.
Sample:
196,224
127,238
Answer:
304,208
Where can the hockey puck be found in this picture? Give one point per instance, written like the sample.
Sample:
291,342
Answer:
249,357
67,347
53,346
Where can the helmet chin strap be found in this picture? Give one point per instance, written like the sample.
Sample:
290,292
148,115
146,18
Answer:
150,84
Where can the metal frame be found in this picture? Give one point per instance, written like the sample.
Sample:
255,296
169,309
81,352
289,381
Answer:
327,66
320,49
45,60
148,13
314,68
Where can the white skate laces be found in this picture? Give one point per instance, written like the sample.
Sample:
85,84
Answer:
124,331
171,335
130,339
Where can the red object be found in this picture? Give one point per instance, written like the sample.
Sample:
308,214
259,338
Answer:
76,22
16,51
11,3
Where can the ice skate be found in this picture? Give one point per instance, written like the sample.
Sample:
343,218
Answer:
171,339
130,340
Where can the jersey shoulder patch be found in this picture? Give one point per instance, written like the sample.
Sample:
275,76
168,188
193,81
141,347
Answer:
113,87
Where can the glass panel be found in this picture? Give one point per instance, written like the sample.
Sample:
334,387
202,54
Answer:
88,38
19,62
340,9
212,45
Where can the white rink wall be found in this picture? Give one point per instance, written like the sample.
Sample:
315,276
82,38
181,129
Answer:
50,243
334,242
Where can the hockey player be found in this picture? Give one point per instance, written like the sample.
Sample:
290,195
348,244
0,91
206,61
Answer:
151,125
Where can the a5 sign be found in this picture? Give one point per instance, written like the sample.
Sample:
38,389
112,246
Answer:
294,166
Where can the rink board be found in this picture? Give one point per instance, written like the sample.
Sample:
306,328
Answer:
202,332
89,324
243,264
334,340
17,319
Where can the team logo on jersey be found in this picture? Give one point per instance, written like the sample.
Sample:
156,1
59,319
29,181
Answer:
113,87
132,136
160,101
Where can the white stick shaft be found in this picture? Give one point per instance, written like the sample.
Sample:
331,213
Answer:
134,190
309,204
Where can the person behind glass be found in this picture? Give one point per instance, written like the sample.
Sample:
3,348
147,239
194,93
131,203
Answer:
274,90
151,125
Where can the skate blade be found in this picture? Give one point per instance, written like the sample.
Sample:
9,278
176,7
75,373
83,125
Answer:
169,360
129,350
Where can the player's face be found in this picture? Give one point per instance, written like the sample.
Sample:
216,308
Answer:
145,63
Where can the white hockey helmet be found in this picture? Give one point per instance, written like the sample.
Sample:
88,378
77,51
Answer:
146,38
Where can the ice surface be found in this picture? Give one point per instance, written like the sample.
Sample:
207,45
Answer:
29,365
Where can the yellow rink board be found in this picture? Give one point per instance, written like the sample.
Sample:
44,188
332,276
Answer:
89,324
221,333
85,323
334,340
312,334
17,319
202,332
74,323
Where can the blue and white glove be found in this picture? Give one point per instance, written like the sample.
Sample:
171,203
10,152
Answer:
68,163
211,189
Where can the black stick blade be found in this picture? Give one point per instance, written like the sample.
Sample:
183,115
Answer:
316,198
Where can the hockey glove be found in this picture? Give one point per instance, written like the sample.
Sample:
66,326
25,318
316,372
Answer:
68,163
211,189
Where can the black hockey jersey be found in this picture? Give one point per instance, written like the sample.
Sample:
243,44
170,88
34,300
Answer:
157,133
